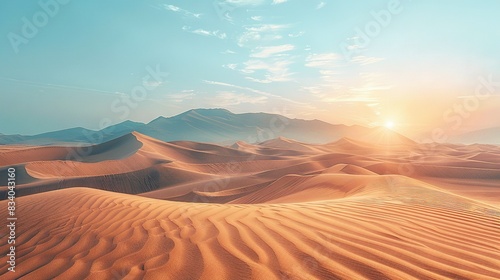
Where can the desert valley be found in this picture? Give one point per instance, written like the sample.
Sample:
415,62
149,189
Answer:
141,208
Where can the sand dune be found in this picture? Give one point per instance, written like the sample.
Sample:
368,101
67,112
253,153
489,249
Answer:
289,144
282,209
133,157
92,234
184,171
348,169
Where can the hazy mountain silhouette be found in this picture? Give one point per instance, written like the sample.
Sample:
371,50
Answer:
483,136
215,126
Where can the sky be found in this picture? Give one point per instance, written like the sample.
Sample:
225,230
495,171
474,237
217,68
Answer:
414,66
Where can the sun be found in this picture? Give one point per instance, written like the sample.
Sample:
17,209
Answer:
389,124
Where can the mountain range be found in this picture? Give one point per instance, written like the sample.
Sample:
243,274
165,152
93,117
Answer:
483,136
213,126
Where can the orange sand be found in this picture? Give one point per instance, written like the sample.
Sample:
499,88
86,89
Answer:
392,209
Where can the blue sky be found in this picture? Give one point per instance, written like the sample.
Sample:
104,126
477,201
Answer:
352,62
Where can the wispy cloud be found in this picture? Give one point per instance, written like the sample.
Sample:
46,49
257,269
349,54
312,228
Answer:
264,71
315,90
321,5
151,84
231,66
63,87
365,60
216,33
324,60
267,27
263,52
180,10
275,2
253,65
256,91
258,34
245,2
228,51
268,62
336,88
275,71
296,35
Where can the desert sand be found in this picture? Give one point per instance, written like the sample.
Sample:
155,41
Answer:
139,208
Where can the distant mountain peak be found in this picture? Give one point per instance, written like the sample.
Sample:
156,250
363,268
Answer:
209,111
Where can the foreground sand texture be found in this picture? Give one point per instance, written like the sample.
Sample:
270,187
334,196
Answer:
139,208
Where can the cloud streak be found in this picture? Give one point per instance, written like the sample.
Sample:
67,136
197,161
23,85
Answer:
245,2
260,92
258,34
321,5
323,60
177,9
263,52
203,32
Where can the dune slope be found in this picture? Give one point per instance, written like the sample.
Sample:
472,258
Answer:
93,234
